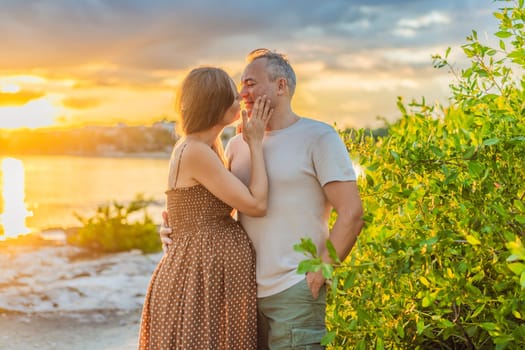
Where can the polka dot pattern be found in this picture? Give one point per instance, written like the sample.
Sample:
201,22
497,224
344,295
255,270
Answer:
202,295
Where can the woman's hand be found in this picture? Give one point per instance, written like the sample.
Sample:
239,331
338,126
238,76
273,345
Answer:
253,127
164,232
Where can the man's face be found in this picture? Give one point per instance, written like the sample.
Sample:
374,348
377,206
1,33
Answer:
232,114
255,83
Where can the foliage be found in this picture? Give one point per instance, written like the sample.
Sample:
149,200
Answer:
112,229
440,263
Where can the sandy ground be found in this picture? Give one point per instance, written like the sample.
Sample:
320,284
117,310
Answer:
54,296
102,331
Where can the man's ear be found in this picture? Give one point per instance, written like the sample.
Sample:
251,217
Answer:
282,86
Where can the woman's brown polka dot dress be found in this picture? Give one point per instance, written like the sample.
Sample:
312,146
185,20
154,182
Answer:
202,294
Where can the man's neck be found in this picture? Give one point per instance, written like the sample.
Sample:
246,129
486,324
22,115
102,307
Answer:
282,120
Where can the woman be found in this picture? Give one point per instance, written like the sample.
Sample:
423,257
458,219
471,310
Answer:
202,294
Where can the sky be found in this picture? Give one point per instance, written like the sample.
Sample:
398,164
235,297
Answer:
70,63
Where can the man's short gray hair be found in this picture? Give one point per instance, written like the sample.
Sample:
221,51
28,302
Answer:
277,66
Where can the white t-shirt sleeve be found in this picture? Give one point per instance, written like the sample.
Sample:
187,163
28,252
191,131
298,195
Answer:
331,159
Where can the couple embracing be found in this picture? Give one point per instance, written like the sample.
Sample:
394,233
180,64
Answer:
228,284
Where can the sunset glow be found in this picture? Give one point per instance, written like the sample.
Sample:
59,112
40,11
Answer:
121,62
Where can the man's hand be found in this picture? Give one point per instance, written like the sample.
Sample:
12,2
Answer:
165,232
315,281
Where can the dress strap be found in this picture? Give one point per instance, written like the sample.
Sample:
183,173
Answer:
178,165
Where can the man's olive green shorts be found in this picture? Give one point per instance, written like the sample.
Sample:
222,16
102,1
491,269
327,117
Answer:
292,319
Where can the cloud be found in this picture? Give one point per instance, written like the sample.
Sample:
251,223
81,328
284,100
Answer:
410,27
174,34
425,21
87,50
35,113
18,98
81,102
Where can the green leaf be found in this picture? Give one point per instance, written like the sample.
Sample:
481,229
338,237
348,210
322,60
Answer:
332,252
520,219
502,341
518,139
489,326
327,270
517,248
436,151
514,257
427,301
475,169
473,240
308,266
517,268
490,142
400,331
444,323
425,282
328,338
478,310
451,177
420,326
503,34
395,156
380,345
519,205
470,152
401,106
334,284
350,279
306,246
447,52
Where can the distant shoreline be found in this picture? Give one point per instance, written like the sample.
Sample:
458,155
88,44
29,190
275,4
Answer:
150,155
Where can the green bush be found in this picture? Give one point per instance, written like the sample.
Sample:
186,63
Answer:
440,263
112,230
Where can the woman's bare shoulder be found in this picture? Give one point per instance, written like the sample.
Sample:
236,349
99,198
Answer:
199,156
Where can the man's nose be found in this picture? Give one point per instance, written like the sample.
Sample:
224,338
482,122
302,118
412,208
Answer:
243,92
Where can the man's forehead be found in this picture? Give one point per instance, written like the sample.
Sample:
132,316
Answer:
247,76
250,72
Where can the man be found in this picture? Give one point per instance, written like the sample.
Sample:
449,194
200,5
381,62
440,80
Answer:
309,173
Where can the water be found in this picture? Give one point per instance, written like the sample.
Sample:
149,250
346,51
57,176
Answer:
41,192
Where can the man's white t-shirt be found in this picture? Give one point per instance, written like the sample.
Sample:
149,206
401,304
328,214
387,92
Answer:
300,160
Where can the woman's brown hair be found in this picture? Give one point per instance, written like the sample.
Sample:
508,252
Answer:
202,100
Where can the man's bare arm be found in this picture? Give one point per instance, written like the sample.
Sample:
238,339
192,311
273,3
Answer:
344,197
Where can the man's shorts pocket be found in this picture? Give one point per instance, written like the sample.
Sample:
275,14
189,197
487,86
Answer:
307,338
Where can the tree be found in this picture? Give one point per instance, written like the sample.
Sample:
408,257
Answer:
441,262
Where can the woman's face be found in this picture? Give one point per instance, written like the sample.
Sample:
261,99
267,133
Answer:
233,113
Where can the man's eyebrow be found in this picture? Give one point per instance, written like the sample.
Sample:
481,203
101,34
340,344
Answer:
245,80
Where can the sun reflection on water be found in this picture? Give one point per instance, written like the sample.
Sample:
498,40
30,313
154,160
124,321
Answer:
13,217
